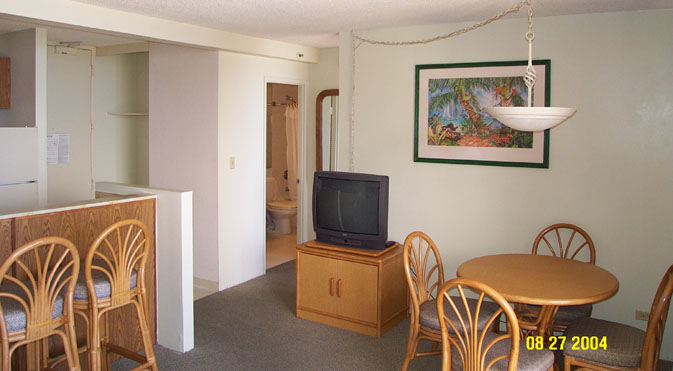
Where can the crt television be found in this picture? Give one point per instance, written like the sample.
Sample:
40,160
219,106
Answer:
350,209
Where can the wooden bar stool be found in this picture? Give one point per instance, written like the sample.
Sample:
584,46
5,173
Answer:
37,282
114,277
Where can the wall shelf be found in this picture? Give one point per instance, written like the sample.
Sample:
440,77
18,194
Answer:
128,113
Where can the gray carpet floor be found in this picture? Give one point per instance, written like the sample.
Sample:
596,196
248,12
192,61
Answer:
253,326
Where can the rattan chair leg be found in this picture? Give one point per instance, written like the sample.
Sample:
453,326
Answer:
87,350
6,357
74,351
145,331
44,349
71,358
446,360
94,337
412,345
105,338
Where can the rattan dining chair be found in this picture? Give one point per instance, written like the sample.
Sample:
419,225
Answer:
114,277
37,282
425,275
471,348
566,241
627,347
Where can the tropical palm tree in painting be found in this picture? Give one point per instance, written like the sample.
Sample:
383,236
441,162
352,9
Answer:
459,92
506,91
458,101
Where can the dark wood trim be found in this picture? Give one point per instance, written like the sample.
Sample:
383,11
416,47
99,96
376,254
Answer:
318,125
5,83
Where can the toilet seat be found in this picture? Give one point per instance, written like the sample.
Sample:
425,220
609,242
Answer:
284,204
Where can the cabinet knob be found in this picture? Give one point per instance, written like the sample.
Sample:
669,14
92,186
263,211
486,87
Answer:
339,282
331,287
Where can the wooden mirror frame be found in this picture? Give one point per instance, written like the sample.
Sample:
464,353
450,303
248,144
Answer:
318,125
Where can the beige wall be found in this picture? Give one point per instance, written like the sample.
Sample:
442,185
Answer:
28,51
610,165
241,197
20,47
183,125
323,75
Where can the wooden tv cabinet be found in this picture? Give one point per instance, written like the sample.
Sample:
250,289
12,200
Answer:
354,289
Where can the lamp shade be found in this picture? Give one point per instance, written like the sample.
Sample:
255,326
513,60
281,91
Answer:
530,118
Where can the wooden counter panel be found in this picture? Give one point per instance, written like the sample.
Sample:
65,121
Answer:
5,238
82,226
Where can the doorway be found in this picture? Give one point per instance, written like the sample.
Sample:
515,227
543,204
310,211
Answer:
282,193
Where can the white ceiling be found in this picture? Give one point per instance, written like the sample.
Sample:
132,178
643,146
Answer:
317,22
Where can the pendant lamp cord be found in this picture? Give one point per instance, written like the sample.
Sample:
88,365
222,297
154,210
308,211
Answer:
529,77
513,9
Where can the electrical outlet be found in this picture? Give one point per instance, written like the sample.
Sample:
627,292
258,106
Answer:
642,315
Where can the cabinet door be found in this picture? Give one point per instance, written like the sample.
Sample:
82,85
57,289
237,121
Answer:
317,283
358,291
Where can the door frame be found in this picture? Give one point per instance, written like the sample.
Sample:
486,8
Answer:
302,189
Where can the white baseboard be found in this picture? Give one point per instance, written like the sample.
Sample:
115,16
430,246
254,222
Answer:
203,287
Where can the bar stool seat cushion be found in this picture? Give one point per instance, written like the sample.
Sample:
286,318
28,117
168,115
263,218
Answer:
101,284
15,314
429,319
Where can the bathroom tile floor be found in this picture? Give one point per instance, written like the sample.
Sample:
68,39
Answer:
280,248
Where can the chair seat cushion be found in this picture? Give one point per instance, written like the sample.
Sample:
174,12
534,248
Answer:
529,360
101,285
568,314
624,343
429,318
15,314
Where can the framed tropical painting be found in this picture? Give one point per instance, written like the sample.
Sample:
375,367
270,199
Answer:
451,125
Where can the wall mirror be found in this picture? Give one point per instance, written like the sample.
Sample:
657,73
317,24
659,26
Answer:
326,109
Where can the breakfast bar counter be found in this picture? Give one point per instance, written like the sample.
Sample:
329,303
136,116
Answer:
81,223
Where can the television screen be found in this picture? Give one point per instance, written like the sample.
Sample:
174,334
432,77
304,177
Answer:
351,209
348,205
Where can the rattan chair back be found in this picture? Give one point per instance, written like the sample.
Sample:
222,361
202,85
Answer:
119,252
40,277
468,338
425,275
657,322
565,241
423,268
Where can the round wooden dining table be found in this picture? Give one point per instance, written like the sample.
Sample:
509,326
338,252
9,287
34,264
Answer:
543,280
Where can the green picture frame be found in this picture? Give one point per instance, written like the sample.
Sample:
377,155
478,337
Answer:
451,126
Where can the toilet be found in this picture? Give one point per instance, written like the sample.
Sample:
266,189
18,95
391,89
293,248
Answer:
281,210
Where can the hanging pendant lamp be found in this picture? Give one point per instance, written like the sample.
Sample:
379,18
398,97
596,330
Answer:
530,118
